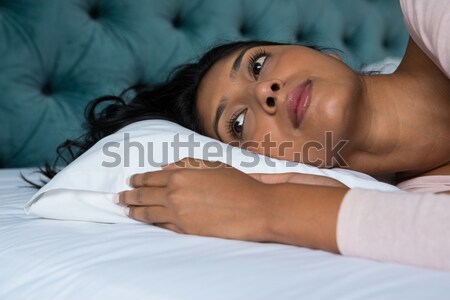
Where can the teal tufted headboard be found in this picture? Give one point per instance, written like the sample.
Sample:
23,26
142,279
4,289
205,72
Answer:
57,55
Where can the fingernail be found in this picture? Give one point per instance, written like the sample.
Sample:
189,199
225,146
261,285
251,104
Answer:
128,180
116,199
126,210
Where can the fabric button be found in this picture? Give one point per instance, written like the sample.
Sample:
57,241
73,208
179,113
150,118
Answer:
176,22
300,36
348,41
243,30
46,89
94,12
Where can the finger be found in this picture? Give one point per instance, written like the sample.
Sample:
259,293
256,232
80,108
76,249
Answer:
175,165
148,179
180,164
149,214
168,226
187,162
143,196
194,163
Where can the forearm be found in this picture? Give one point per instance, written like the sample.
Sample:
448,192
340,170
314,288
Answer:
303,215
409,228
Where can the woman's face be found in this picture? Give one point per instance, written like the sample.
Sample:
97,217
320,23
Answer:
280,101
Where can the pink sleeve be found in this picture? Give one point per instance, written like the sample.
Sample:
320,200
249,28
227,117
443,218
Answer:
408,228
428,23
426,184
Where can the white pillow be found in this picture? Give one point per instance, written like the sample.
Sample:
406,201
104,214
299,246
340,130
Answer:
386,66
84,189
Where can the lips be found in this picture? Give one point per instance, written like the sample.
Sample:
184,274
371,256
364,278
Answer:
298,101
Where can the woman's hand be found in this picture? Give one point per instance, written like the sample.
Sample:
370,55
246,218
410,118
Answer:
213,199
202,198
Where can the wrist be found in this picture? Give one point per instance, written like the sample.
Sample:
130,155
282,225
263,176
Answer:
302,215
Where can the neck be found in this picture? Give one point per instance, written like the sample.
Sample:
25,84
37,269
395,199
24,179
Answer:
403,124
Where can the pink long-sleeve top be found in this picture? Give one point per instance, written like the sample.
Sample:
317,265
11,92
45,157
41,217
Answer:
413,227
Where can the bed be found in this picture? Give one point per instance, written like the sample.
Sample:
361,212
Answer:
57,55
51,259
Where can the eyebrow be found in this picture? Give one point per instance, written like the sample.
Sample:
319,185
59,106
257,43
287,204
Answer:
222,104
237,62
218,114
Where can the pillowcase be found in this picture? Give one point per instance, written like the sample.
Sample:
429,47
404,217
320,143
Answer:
386,66
84,190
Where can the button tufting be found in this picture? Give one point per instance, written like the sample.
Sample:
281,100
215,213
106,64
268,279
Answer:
176,23
347,40
46,89
300,36
94,12
243,30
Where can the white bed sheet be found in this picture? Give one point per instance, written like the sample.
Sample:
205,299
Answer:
50,259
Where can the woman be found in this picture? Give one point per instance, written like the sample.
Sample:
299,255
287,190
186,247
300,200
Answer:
244,92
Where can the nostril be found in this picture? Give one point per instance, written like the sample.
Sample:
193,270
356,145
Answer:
275,87
270,102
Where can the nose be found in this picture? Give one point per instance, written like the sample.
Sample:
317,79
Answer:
267,93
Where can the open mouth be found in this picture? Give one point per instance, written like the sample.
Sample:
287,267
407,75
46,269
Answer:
298,101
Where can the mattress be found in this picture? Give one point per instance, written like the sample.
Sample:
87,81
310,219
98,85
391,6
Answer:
51,259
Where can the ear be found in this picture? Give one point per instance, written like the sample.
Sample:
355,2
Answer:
335,56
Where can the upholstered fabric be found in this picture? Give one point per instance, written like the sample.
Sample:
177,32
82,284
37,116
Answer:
56,55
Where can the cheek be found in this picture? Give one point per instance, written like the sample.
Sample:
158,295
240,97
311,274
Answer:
263,135
271,136
269,141
328,103
334,104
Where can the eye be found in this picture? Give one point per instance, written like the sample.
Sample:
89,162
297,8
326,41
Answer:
256,64
236,125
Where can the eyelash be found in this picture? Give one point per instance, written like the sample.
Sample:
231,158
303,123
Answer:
231,122
253,58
